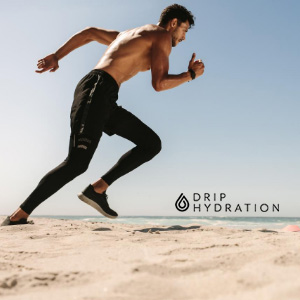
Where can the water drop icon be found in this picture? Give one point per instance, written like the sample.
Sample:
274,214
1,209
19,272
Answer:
182,203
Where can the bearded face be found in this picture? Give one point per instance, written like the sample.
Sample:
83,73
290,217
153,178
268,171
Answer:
179,32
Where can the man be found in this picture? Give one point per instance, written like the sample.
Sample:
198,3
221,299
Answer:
94,109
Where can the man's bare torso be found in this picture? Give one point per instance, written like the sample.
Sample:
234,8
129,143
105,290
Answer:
130,52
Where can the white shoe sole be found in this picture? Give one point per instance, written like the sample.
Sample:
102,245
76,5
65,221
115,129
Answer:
94,205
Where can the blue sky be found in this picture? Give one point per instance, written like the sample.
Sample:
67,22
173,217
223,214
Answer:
233,130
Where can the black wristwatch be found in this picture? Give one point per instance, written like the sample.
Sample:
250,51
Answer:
193,74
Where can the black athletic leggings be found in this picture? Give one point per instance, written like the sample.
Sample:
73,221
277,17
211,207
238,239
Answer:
94,110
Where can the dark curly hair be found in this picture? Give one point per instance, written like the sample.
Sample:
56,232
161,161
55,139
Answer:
176,11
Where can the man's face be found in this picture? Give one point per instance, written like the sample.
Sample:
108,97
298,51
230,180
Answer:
178,34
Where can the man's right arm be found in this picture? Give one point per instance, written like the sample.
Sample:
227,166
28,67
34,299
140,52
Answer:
79,39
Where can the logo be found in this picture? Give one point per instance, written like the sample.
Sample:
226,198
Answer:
182,203
215,202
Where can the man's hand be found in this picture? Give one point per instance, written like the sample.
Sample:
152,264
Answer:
197,66
49,62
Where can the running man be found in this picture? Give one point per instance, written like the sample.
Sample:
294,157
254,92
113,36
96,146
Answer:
95,110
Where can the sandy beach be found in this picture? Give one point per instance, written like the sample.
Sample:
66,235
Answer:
74,259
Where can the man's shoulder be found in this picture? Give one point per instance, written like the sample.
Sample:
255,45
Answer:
150,33
152,29
156,32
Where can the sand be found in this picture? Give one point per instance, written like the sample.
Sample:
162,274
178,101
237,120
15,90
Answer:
73,259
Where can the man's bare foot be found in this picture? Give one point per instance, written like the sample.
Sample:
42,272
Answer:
100,186
19,214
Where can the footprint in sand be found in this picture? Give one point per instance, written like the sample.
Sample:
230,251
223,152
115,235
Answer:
18,282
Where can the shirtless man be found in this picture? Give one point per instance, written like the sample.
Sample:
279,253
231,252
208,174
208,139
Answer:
94,109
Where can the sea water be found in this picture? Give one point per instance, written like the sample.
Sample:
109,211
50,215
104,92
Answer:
232,222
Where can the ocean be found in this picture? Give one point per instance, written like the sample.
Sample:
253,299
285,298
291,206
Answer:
232,222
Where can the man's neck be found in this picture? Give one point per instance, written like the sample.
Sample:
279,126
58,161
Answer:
163,26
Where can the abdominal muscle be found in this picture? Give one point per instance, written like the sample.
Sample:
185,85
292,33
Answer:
129,53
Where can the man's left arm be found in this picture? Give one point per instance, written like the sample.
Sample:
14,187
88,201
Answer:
100,35
79,39
86,36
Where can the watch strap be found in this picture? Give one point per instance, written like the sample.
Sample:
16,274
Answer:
193,74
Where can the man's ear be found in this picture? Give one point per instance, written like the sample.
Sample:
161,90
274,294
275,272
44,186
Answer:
174,22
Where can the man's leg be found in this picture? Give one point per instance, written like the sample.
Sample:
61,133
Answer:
76,163
89,112
148,144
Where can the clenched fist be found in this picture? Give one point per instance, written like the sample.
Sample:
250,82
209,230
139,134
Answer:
196,65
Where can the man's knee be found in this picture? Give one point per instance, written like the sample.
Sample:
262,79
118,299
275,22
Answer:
76,168
154,146
81,167
79,161
157,146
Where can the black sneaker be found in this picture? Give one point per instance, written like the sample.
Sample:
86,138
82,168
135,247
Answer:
98,201
8,222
